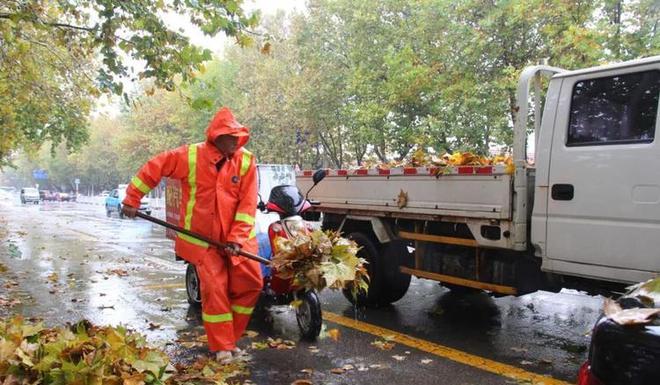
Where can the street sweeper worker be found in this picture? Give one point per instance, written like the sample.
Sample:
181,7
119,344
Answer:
219,199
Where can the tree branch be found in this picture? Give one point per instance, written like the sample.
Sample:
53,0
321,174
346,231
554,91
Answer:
58,25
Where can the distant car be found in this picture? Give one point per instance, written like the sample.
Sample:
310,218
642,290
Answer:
64,197
47,195
626,354
29,194
113,202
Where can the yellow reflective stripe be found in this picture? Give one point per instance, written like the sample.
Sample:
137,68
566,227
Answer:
247,218
140,185
242,309
192,181
253,233
214,318
245,162
192,240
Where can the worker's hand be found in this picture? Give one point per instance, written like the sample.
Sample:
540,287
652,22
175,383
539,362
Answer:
232,249
129,211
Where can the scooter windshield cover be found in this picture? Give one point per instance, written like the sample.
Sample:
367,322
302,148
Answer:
288,198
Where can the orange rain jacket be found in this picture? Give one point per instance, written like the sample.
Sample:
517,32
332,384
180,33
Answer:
218,204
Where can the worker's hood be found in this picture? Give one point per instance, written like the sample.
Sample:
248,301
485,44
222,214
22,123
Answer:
224,123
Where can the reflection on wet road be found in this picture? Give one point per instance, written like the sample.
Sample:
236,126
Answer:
67,261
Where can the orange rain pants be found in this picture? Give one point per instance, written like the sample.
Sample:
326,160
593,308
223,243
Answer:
229,292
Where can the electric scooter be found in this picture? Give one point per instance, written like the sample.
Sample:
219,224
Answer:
289,204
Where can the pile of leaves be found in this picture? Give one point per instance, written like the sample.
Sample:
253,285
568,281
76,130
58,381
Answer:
420,158
86,354
319,259
640,306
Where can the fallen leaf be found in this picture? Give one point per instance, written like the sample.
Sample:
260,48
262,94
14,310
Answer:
153,326
545,361
525,362
301,382
53,277
399,358
250,334
635,316
307,371
348,367
519,350
426,361
259,345
337,371
402,199
334,334
383,345
202,338
117,272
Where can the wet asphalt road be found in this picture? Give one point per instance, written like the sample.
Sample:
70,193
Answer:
68,261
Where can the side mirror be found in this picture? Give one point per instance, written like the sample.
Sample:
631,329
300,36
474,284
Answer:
261,206
318,176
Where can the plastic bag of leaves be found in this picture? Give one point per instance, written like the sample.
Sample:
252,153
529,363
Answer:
320,259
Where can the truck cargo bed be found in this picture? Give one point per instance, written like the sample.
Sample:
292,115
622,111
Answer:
465,191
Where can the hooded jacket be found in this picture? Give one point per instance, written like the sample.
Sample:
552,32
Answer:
218,203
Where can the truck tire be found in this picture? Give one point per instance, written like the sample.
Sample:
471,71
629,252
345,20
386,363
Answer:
121,214
369,252
395,283
193,291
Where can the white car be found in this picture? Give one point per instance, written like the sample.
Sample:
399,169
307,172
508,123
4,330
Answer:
29,194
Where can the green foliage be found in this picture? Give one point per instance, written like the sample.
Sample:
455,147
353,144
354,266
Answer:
343,84
50,75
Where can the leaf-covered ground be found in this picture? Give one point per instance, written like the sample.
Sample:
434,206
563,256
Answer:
83,353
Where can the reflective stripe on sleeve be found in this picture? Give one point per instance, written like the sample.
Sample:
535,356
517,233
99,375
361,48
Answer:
253,233
140,185
247,218
192,240
215,318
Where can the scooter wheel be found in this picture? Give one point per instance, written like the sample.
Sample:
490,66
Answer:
309,315
193,291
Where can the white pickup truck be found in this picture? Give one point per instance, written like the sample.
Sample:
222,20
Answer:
587,212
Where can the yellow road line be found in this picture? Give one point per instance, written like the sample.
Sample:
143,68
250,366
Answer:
445,352
164,286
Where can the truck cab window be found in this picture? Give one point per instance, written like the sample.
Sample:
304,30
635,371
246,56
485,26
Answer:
618,109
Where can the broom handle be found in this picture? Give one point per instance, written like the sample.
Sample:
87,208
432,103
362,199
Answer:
200,237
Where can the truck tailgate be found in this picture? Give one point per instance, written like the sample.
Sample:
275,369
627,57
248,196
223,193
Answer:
471,192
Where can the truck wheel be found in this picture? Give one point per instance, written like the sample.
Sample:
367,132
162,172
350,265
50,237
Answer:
193,291
369,252
121,215
395,283
308,315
